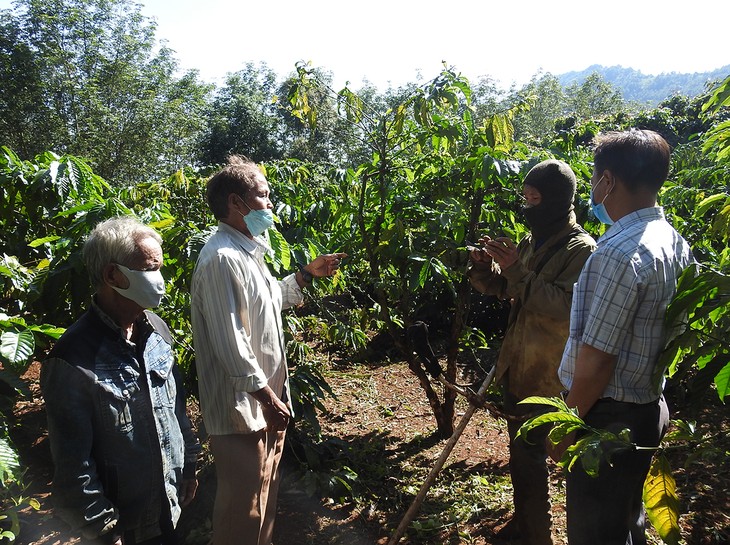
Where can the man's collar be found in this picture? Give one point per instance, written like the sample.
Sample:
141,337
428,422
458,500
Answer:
107,320
253,245
642,215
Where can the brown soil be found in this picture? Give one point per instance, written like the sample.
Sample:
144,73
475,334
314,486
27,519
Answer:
381,413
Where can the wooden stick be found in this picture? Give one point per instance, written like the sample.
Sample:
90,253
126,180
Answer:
416,504
478,400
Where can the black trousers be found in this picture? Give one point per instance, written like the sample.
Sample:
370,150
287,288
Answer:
608,509
169,535
529,473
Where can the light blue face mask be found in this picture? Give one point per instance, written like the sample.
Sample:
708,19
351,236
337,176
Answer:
599,210
258,221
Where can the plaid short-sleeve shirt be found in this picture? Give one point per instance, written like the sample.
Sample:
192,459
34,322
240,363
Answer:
620,300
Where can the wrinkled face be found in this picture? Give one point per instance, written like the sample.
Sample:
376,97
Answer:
257,197
148,257
531,195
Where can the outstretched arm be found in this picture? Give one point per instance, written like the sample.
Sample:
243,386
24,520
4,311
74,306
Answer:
323,265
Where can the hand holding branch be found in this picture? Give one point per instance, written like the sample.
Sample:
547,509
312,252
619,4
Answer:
503,251
478,253
325,265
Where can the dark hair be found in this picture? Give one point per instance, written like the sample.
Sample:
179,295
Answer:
238,177
639,158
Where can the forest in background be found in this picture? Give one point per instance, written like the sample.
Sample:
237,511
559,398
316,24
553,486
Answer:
94,122
90,78
645,89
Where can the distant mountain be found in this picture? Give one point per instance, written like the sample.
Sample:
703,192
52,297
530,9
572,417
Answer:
648,89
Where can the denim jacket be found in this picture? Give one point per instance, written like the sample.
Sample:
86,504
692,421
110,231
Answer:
117,427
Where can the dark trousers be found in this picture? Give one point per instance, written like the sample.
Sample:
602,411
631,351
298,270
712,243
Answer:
169,535
608,509
529,472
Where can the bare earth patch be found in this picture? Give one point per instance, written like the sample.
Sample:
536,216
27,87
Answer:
381,424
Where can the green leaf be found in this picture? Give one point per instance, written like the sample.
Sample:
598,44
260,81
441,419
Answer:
16,383
566,422
720,97
17,346
707,203
722,381
588,451
163,224
282,253
419,279
78,208
556,402
691,291
661,501
559,432
51,331
41,241
9,461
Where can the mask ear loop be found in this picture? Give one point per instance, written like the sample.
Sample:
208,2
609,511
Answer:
119,271
244,203
599,183
609,191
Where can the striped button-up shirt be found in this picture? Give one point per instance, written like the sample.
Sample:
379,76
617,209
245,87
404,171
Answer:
620,300
237,330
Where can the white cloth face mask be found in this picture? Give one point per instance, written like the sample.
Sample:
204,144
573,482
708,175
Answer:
146,288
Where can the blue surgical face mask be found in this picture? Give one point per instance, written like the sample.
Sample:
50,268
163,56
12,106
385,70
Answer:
258,221
599,210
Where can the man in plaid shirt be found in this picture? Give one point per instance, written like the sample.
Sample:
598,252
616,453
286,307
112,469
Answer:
617,332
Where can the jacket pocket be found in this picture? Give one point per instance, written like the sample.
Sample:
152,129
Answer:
114,406
164,390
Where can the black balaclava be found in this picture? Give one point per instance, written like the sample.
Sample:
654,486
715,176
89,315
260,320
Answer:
556,183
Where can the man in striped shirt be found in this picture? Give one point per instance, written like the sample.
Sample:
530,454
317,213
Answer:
617,332
240,355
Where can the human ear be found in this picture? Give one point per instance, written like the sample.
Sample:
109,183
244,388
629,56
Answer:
235,202
610,180
112,276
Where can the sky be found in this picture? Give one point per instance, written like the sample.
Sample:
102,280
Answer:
393,42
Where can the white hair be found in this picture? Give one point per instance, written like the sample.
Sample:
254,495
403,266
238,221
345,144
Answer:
114,241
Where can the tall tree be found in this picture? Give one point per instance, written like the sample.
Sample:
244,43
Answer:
486,98
101,83
546,98
331,139
243,118
594,98
26,119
